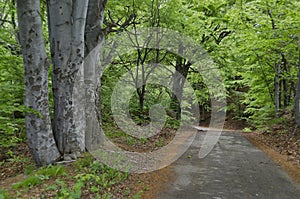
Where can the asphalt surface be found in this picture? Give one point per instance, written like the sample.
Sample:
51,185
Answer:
233,169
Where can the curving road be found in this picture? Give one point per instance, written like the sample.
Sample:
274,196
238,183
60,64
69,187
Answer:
234,169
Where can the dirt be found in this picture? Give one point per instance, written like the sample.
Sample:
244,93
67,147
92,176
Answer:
12,171
14,160
153,143
155,182
279,145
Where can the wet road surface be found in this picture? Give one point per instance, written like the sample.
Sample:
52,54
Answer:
233,169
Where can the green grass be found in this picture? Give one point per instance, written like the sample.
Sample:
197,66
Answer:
29,169
160,143
67,192
247,130
130,140
37,177
4,194
30,181
51,171
138,195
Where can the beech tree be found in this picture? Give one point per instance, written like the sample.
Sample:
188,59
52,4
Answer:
74,30
38,126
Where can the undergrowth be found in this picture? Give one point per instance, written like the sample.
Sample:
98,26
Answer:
86,177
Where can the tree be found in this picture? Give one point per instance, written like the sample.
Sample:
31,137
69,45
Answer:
11,78
66,31
261,65
204,24
68,28
94,37
297,96
38,126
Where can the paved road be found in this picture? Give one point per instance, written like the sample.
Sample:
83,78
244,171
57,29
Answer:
234,169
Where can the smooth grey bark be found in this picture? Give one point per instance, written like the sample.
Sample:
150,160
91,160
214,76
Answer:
38,126
67,20
94,37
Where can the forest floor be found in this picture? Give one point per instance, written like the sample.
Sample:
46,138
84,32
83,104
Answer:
20,167
16,165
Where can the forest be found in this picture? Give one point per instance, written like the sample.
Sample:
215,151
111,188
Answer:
69,68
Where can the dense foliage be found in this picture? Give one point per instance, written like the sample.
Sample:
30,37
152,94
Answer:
254,43
11,78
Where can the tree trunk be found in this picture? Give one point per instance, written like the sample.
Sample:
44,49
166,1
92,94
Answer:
286,96
297,97
277,87
66,28
280,95
94,37
182,69
297,101
38,126
141,93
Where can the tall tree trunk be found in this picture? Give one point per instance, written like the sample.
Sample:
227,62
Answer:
38,126
141,93
280,95
277,87
286,95
66,28
297,97
94,37
182,69
297,101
